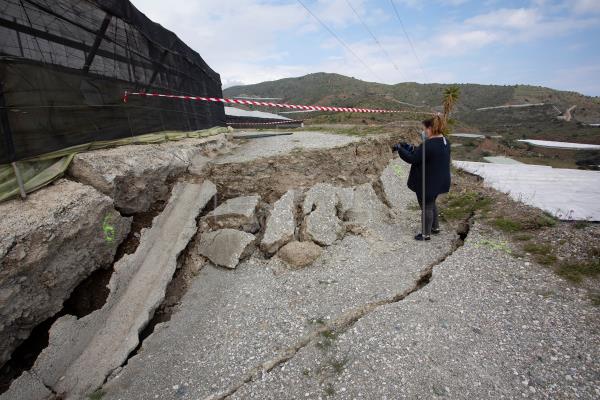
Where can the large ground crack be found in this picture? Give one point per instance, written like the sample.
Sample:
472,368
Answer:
347,320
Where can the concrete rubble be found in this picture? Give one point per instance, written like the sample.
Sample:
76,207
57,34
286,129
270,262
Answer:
237,213
366,208
82,353
321,223
226,247
48,245
281,223
393,183
137,176
300,254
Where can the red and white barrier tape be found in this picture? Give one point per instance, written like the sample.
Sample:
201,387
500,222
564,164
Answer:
291,122
267,104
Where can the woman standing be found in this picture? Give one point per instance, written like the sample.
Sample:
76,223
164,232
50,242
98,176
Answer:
429,173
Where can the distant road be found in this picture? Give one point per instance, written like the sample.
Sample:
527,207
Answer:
512,106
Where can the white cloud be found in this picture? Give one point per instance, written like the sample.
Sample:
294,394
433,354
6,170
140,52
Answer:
519,18
462,42
586,6
249,41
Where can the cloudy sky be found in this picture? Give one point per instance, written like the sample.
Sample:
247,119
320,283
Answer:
553,43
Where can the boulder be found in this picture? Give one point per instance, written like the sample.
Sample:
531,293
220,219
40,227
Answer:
300,254
367,209
137,176
226,247
281,224
321,224
48,245
237,213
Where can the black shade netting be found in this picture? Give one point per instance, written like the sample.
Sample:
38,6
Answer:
65,65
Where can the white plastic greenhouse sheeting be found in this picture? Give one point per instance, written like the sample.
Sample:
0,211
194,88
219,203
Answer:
561,145
501,160
568,194
468,135
238,112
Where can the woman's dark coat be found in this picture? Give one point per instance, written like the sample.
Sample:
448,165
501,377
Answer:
437,168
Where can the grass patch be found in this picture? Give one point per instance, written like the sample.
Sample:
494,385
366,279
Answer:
97,395
576,272
508,224
542,253
536,248
459,206
542,221
523,237
595,299
581,224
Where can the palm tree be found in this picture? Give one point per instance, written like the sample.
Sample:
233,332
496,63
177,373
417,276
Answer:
451,95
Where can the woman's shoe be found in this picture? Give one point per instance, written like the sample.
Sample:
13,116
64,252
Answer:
435,231
420,237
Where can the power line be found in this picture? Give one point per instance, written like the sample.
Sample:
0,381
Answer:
332,33
408,39
372,35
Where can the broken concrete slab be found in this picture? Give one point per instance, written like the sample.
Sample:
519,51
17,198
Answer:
300,254
226,247
30,388
237,213
271,166
393,183
231,323
82,353
346,200
321,224
366,208
281,223
137,176
48,245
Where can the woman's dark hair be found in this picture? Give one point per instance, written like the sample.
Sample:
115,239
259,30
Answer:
437,125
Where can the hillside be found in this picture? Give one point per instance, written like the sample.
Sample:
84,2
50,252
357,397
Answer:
334,89
540,121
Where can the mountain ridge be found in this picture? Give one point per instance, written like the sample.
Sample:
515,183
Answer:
339,90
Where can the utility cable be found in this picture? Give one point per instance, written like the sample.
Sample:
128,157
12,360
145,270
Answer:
332,33
408,39
372,35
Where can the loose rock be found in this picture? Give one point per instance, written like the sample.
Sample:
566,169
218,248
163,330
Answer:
281,224
321,224
226,247
300,254
236,213
367,209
